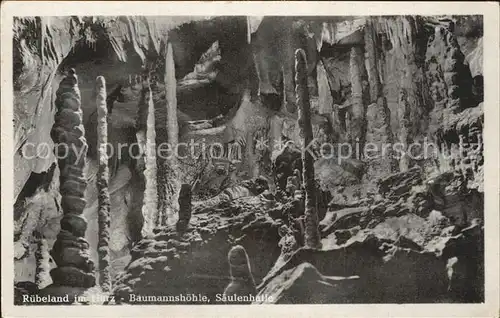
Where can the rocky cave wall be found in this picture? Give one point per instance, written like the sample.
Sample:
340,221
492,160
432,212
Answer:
248,64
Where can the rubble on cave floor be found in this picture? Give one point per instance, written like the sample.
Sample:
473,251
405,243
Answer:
375,250
194,262
399,248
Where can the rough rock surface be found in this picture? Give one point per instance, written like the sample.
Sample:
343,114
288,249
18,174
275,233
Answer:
171,263
417,238
305,285
400,252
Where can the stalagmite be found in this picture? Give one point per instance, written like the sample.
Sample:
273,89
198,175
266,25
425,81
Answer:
378,114
167,172
242,281
185,207
146,135
42,277
359,91
70,251
251,156
115,95
102,186
312,237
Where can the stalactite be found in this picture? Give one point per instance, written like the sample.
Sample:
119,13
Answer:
262,67
42,277
242,281
324,91
167,172
312,237
149,208
102,186
359,99
378,114
70,251
372,55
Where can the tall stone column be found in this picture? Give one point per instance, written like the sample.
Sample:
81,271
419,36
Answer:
70,251
167,167
378,114
102,186
359,100
312,237
409,41
146,136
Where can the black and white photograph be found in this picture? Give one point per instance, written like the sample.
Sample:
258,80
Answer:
248,159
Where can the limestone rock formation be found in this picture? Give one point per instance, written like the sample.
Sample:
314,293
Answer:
449,75
42,277
70,251
185,206
167,167
102,185
408,38
35,80
395,232
398,184
305,285
247,188
378,130
146,136
194,261
302,95
359,97
242,281
373,267
387,234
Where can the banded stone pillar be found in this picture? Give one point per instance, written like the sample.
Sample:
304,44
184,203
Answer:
102,186
71,251
312,237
